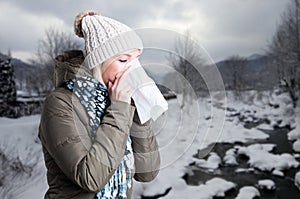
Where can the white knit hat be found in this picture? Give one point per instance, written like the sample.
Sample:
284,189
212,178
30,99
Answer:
104,37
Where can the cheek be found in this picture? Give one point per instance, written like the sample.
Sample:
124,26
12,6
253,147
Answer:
113,70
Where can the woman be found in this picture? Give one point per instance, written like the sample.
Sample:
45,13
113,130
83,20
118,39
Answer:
93,141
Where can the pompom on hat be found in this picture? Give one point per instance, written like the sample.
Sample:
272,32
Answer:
104,37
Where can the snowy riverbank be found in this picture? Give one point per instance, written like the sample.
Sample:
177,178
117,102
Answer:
185,138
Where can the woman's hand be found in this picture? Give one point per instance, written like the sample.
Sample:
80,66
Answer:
118,91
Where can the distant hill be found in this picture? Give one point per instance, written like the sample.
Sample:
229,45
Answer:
257,72
254,56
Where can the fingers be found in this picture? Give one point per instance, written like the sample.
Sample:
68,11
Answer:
109,85
119,76
110,88
118,91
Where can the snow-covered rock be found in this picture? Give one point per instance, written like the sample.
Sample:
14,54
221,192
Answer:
219,186
212,162
261,158
266,184
296,155
248,192
294,134
297,180
230,157
243,170
296,146
277,173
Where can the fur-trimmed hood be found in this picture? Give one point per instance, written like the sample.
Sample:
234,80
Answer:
69,65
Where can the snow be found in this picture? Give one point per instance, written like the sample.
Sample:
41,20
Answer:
22,132
25,96
261,105
265,126
294,135
230,157
296,155
297,180
296,145
266,184
212,162
180,134
22,146
173,144
214,187
238,133
219,186
261,158
248,192
277,173
243,170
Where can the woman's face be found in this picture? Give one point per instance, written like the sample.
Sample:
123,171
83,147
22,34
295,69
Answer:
116,64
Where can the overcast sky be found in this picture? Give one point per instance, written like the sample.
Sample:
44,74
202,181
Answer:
222,27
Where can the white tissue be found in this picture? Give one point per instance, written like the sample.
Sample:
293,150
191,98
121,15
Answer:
149,102
148,99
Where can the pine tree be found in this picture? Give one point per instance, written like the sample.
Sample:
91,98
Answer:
7,82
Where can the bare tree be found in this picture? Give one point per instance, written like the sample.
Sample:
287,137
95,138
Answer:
54,43
185,60
236,64
285,50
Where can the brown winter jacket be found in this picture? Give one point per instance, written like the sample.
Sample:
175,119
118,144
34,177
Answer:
77,167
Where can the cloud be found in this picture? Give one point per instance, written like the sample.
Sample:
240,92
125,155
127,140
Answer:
223,27
20,30
238,26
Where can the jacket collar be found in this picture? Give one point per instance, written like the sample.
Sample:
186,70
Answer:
69,66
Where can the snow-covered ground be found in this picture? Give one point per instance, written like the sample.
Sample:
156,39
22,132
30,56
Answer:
185,137
22,169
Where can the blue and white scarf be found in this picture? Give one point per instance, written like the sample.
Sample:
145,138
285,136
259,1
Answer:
94,96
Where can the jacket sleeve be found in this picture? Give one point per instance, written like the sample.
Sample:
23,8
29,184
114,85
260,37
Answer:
145,148
88,167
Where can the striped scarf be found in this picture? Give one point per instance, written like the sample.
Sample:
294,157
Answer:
94,97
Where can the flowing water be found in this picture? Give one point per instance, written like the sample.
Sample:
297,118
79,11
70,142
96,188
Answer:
285,187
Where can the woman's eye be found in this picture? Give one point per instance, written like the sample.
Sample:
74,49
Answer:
123,60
